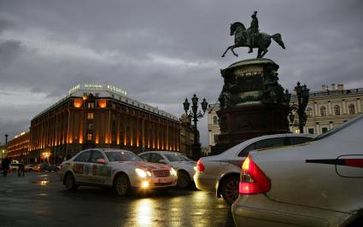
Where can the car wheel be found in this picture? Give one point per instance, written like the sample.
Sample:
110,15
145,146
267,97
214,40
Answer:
69,182
121,185
183,180
229,189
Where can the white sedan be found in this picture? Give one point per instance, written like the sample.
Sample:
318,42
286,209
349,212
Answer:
315,184
181,163
121,169
220,173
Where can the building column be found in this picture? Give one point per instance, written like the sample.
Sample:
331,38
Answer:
344,106
317,127
316,109
329,108
359,105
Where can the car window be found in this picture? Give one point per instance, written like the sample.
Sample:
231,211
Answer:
156,158
298,140
83,157
146,157
176,157
272,142
119,156
96,155
245,151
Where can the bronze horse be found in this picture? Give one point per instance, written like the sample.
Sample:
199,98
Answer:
261,40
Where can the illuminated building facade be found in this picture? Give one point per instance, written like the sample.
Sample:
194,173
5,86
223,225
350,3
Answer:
18,148
93,115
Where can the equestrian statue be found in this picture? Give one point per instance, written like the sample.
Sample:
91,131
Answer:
252,38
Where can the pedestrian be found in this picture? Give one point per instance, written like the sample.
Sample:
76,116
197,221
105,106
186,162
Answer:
21,169
6,165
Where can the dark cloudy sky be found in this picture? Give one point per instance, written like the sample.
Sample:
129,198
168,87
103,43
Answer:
162,51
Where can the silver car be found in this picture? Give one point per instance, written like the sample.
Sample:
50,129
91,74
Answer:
220,173
315,184
121,169
181,163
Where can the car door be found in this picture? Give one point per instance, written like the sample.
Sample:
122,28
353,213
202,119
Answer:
98,171
81,165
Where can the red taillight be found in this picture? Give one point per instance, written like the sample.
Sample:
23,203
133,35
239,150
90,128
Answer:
200,166
253,180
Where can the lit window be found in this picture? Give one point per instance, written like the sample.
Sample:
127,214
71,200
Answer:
90,105
89,136
102,103
77,103
89,115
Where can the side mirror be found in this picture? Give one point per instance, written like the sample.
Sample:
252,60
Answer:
101,161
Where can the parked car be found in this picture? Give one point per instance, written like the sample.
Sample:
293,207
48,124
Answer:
314,184
14,165
30,168
181,163
220,173
46,167
121,169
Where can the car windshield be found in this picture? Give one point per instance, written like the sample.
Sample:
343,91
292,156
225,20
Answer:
116,156
176,157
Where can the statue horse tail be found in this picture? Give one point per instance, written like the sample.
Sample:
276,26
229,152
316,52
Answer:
277,38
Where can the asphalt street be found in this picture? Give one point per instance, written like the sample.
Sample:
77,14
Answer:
39,199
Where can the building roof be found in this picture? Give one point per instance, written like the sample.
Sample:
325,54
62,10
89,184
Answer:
108,91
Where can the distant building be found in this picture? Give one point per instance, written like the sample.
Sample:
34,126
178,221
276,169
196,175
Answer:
18,148
329,107
93,115
326,109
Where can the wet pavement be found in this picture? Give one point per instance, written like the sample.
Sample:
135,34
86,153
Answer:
39,199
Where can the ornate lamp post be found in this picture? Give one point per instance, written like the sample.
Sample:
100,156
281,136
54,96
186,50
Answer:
302,93
194,114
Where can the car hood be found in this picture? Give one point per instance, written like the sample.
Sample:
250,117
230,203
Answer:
142,165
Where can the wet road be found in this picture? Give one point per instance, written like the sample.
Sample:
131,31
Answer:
40,200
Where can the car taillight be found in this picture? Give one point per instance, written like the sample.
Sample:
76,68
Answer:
200,166
253,180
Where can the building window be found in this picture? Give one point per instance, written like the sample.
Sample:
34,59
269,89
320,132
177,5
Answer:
337,110
90,126
324,129
89,136
311,131
323,111
351,109
215,138
215,120
89,116
309,112
90,105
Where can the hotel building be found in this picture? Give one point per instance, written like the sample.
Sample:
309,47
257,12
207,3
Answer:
94,115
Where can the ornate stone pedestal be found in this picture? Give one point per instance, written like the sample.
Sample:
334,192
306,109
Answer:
252,103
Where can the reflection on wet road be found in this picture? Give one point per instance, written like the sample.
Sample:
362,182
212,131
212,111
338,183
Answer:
40,199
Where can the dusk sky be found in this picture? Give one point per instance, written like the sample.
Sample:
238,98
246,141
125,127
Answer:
164,51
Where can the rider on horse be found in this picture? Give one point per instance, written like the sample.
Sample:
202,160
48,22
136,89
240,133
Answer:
253,31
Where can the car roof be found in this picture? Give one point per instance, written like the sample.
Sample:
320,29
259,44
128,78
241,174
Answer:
237,148
161,152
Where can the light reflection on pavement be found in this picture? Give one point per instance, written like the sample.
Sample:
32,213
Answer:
40,199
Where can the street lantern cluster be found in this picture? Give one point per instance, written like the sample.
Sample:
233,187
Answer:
302,94
194,115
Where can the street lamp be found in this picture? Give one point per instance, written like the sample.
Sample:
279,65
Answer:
302,93
194,114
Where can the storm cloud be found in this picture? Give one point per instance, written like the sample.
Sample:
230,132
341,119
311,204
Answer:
163,51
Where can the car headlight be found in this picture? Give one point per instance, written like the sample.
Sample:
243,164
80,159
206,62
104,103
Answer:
173,172
142,173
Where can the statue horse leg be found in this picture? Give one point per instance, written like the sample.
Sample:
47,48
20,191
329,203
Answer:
230,48
261,52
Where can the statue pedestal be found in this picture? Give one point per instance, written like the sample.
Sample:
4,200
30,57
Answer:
252,103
